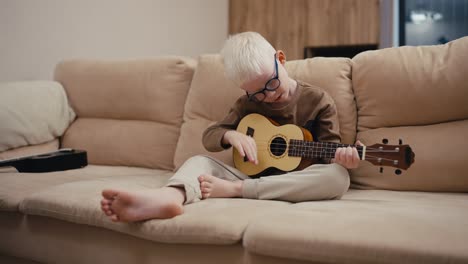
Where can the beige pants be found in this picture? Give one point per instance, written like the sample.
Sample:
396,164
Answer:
316,182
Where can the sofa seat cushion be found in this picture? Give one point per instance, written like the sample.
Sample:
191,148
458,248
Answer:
48,240
14,186
213,221
367,226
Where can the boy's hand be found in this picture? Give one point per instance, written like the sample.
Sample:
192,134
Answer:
347,157
244,144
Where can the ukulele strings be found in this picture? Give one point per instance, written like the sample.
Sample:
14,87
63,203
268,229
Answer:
330,148
376,158
368,157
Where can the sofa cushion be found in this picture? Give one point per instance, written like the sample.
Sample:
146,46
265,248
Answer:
14,186
371,226
124,142
440,159
213,221
408,86
129,112
38,238
211,96
49,146
334,76
32,113
417,94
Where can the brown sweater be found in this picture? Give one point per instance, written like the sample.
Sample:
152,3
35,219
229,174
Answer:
311,107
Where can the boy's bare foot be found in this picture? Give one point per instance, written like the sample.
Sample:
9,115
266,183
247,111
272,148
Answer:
212,187
125,206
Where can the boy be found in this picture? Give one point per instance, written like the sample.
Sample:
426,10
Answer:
252,63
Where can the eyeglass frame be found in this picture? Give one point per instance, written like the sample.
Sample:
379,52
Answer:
252,97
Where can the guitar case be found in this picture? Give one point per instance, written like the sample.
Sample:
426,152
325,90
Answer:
63,159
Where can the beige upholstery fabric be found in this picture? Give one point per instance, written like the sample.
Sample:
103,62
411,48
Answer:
440,159
215,221
133,142
14,186
409,86
129,112
32,113
419,95
334,76
211,96
367,227
30,150
38,238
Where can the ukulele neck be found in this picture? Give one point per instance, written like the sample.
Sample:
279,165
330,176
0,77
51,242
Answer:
310,149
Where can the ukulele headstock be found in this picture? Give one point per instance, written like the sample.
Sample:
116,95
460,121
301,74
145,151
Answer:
397,156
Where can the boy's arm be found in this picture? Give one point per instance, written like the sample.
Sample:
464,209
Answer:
330,132
221,135
328,125
213,136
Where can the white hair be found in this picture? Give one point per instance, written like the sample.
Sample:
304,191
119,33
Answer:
246,55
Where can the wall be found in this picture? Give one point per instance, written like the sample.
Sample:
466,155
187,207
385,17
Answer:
452,22
36,34
386,23
292,25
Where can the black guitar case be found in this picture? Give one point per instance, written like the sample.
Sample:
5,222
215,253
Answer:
63,159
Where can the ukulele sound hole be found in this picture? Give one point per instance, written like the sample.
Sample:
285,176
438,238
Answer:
278,146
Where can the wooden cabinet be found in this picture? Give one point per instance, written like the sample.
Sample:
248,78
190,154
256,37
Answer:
293,25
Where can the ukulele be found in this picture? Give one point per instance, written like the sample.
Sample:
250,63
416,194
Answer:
290,147
63,159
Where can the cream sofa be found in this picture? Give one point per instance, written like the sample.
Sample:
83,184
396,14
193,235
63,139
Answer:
141,119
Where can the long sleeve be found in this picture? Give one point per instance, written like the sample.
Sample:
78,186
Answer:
213,135
311,107
328,128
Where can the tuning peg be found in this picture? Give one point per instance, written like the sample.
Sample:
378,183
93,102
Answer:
381,170
397,171
400,141
385,141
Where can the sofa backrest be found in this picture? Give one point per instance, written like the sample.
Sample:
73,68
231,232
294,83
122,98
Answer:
211,96
419,95
129,112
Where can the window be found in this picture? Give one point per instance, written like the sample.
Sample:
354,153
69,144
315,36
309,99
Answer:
428,22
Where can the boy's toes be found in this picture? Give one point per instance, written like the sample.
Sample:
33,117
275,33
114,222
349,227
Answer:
205,187
115,218
109,194
201,178
106,202
107,209
205,195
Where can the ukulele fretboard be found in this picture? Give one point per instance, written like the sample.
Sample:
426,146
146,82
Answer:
310,149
